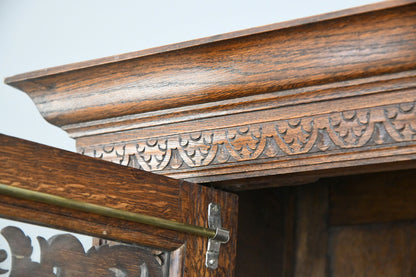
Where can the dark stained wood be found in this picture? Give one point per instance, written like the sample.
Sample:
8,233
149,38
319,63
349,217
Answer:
266,228
312,231
373,198
332,92
41,168
378,250
195,212
327,228
359,225
294,179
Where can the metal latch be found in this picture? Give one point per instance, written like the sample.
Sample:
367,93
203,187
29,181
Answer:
221,236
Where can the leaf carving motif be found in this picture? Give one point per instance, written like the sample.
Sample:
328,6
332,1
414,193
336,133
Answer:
196,148
296,135
269,140
350,128
113,153
244,142
152,153
399,121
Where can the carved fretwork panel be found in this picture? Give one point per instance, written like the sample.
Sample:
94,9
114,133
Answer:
64,256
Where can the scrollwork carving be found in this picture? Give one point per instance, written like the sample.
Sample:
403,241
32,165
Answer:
63,255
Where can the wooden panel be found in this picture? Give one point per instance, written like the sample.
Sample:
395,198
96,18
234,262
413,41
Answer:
373,198
195,212
312,231
330,228
266,228
332,92
378,250
41,168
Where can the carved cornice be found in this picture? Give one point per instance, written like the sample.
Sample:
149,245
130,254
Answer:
332,92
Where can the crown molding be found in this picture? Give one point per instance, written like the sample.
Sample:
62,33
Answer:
334,91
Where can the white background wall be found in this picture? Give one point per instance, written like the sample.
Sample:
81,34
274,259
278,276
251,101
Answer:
36,34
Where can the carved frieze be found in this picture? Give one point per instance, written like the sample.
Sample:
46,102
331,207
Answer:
308,135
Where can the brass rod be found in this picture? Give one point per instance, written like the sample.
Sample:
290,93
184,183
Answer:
105,211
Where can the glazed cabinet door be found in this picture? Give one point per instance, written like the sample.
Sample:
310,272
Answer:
124,248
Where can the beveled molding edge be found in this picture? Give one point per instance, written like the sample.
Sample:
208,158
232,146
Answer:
356,132
312,52
274,100
386,4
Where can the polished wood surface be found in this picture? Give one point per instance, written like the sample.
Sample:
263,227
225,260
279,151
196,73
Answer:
334,92
213,39
45,169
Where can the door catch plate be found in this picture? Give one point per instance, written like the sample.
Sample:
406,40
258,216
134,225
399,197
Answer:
221,236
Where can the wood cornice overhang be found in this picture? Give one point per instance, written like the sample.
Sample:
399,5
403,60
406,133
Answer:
335,91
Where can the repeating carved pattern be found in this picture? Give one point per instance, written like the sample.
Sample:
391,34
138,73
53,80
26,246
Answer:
296,136
351,128
64,256
271,140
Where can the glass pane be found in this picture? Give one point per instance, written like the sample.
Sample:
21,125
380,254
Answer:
30,250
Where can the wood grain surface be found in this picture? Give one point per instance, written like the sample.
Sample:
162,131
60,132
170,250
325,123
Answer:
212,39
381,250
266,233
332,92
312,231
373,199
45,169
